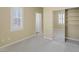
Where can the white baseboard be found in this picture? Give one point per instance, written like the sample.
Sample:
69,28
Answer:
17,41
72,39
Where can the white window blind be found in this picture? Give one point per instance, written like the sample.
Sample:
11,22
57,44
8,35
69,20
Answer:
16,18
61,18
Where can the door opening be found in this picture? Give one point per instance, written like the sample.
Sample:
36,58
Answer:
59,25
38,23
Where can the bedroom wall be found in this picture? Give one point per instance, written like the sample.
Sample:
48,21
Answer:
56,20
6,36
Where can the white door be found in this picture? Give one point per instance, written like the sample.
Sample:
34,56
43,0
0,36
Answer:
38,24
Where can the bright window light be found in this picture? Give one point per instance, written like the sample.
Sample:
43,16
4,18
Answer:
61,18
16,18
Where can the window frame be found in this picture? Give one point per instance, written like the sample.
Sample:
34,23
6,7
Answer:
16,18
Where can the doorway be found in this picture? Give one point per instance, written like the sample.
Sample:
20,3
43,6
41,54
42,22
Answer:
38,23
59,25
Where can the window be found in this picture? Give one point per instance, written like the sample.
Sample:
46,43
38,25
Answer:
61,18
16,18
